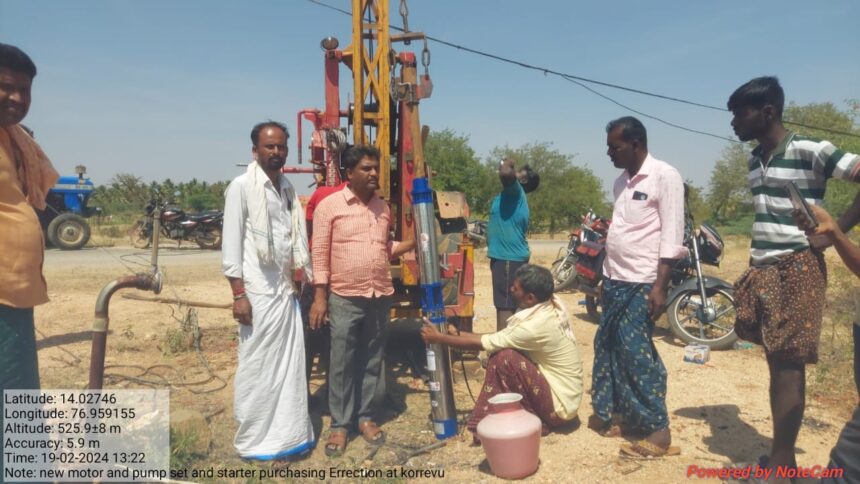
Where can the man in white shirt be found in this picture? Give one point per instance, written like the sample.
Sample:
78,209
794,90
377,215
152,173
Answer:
264,241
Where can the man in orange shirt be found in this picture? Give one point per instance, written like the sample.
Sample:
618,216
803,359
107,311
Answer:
352,284
26,175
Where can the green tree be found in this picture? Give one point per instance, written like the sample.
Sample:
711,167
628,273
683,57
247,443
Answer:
696,203
566,191
127,194
728,191
456,168
840,194
124,193
202,201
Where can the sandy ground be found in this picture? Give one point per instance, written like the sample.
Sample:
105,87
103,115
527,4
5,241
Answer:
719,411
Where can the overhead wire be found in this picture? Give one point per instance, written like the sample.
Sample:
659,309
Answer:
579,80
668,123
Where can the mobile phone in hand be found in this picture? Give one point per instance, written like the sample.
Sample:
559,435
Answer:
799,203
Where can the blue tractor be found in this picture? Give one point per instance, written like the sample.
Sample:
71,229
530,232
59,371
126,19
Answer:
64,220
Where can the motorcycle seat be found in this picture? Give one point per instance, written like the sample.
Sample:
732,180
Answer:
204,215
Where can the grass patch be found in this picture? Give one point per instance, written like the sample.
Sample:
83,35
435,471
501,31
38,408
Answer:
182,453
182,339
177,341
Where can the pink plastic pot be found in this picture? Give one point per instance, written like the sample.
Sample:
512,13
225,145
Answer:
511,437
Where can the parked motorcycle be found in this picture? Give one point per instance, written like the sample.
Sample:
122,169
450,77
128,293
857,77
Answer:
203,228
593,229
700,308
477,231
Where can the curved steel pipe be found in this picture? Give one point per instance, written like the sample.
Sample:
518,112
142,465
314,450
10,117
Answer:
146,282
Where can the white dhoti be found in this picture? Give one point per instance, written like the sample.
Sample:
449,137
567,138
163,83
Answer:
270,400
264,240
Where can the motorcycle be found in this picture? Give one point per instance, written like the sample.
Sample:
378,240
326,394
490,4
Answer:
203,228
700,308
564,274
477,231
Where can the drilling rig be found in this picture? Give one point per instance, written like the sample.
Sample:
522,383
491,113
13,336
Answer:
384,113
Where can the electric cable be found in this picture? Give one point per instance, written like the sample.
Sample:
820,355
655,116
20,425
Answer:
574,78
466,379
668,123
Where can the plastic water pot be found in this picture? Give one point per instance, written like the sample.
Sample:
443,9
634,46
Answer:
511,437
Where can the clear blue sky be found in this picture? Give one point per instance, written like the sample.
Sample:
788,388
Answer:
163,88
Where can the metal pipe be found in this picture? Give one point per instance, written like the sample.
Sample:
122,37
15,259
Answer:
299,134
156,232
442,408
146,282
299,116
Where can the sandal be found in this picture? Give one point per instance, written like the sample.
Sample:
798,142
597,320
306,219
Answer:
371,432
644,450
336,443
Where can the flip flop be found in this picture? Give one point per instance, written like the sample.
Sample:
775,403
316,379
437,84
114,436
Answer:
644,450
371,432
336,443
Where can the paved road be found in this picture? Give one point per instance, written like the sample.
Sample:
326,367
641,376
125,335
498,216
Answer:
547,244
169,255
137,259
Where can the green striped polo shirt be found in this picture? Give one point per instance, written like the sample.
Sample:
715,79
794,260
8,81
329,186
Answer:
810,163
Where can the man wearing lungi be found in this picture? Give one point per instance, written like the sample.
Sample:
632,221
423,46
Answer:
643,243
780,298
535,355
265,240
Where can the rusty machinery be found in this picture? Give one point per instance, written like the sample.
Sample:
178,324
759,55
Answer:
385,114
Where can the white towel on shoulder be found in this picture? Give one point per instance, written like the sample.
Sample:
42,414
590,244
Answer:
261,226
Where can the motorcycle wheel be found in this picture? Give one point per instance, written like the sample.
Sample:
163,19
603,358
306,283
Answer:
563,273
140,235
210,238
687,322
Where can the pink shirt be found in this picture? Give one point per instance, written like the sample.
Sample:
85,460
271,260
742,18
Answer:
351,246
647,222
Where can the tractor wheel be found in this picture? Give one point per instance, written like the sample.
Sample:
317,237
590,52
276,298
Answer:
69,231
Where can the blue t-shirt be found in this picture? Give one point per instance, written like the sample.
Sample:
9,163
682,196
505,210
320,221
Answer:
509,221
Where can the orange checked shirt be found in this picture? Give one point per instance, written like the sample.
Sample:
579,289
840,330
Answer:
351,245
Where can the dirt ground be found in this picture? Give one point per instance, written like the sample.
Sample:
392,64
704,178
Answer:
719,411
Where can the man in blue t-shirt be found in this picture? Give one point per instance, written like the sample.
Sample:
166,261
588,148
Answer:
506,234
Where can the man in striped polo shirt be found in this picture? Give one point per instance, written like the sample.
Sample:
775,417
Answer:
780,299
